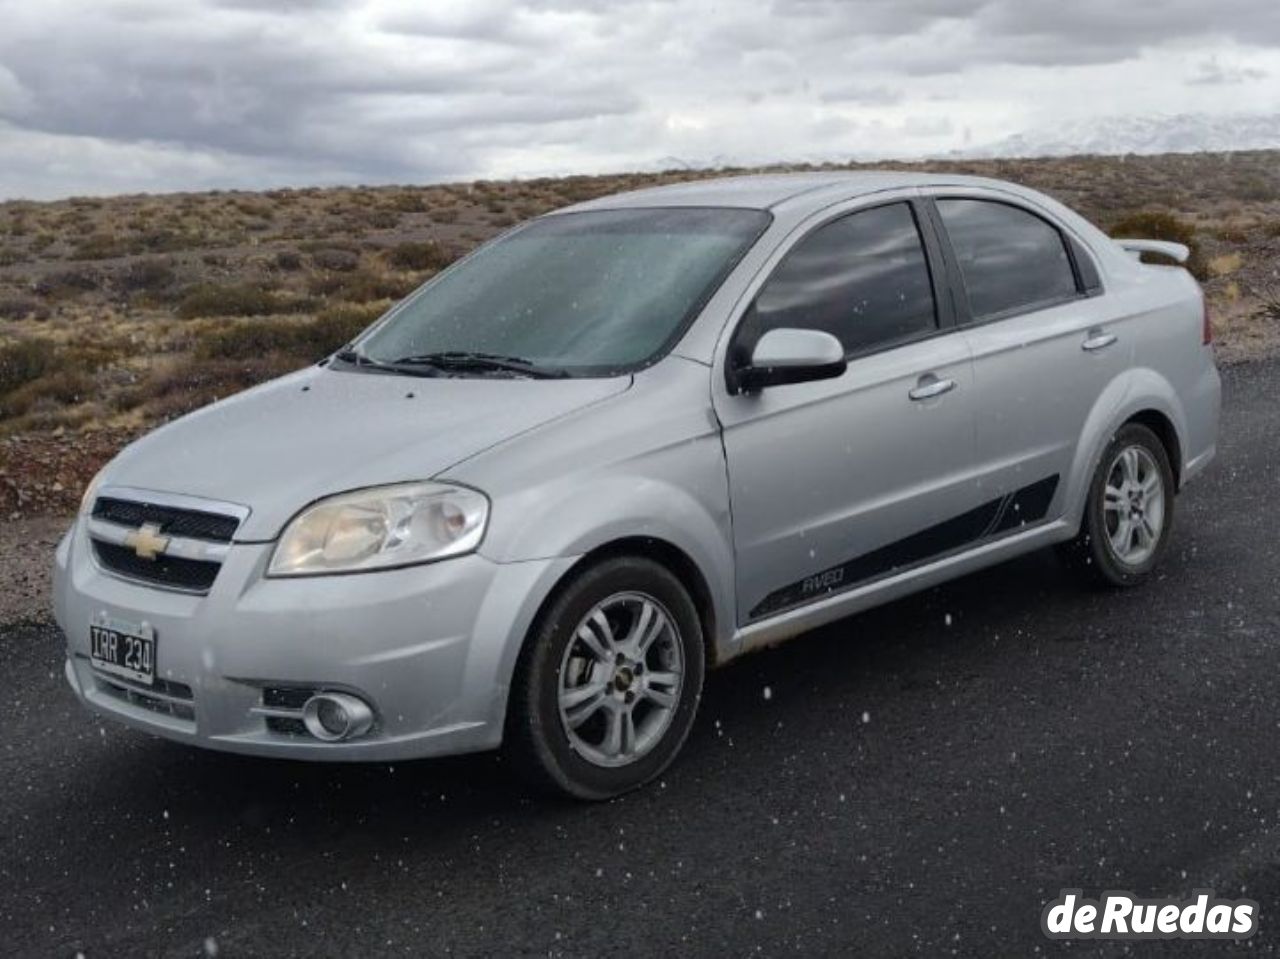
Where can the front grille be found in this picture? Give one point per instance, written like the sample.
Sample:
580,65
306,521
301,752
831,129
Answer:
172,521
172,571
164,697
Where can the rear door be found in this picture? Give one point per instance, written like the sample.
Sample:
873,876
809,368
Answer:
1045,344
836,483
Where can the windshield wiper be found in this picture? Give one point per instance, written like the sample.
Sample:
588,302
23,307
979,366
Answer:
461,360
357,358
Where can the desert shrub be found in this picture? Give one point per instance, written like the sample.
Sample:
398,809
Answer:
406,202
20,307
251,208
427,255
1231,234
67,282
9,257
340,261
382,219
306,341
99,246
241,299
315,246
103,246
145,276
24,362
1257,188
361,286
197,382
47,392
445,215
1158,225
288,260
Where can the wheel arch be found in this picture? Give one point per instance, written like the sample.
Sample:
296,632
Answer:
1167,433
667,555
1140,395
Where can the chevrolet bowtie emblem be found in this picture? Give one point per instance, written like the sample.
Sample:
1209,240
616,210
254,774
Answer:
146,541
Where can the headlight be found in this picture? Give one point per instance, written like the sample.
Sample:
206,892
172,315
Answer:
381,527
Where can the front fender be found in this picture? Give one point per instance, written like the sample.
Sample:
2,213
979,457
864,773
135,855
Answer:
593,511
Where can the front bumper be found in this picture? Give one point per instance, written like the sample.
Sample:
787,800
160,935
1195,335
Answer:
431,648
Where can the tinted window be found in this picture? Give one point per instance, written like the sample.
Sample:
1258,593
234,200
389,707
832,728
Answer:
1011,259
863,278
593,291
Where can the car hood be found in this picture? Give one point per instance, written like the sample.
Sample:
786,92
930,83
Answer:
287,443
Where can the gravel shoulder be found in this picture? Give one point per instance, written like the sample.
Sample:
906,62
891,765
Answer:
26,560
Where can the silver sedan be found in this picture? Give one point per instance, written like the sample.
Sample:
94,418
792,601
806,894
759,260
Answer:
629,441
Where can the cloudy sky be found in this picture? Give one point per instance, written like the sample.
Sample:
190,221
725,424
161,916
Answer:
131,95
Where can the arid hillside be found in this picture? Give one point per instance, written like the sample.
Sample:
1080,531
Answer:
118,314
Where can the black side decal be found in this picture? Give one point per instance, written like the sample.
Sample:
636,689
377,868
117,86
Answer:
992,519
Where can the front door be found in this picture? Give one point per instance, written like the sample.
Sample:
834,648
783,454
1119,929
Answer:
837,483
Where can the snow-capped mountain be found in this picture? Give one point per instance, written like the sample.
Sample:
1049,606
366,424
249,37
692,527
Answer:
1182,133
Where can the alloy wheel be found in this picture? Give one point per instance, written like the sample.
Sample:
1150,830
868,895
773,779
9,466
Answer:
1133,506
620,679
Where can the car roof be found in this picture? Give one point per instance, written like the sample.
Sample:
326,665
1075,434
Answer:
770,190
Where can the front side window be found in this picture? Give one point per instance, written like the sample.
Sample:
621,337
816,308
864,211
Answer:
864,278
1011,259
591,292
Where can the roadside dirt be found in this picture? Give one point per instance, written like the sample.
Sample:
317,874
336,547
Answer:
45,474
26,563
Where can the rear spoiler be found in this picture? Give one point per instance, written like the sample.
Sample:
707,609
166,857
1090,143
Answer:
1175,251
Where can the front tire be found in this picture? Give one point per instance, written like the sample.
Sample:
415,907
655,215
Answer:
608,683
1129,513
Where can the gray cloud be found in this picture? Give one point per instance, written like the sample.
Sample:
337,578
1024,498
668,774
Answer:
1212,72
205,92
866,95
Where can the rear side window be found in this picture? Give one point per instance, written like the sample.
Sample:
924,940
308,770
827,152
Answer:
1011,260
863,278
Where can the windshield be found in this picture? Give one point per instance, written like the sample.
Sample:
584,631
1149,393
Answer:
592,292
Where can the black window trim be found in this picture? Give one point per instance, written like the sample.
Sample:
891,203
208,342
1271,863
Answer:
1075,250
945,312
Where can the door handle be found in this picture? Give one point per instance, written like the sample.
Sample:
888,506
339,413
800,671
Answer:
1098,340
930,386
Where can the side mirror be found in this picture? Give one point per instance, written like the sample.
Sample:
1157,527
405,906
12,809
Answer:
785,356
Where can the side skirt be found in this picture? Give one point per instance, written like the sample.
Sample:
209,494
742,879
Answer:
993,519
786,625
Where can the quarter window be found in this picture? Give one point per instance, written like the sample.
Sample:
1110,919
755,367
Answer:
863,278
1011,259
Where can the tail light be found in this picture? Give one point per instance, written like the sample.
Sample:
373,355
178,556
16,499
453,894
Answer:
1206,335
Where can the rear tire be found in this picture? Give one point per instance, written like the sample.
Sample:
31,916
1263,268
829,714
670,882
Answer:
1128,515
608,683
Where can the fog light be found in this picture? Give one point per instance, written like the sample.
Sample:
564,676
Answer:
332,717
336,716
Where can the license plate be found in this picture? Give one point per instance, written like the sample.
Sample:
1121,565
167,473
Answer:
123,649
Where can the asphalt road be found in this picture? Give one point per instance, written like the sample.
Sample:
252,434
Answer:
920,779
